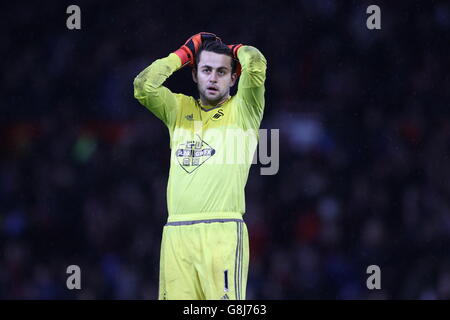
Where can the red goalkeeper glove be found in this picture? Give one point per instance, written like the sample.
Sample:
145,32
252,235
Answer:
234,50
188,51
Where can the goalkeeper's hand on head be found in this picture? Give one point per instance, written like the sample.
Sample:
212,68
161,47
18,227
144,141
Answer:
188,51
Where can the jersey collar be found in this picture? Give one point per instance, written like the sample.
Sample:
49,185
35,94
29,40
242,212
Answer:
199,103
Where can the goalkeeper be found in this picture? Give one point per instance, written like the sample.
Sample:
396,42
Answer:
204,249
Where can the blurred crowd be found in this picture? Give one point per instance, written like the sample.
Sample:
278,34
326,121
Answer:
364,174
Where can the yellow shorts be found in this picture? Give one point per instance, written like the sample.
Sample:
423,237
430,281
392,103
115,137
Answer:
206,259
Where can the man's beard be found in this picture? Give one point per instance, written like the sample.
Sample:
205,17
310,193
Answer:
213,100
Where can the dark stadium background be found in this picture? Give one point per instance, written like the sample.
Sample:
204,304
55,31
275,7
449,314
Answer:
364,123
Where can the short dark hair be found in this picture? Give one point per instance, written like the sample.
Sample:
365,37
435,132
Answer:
216,47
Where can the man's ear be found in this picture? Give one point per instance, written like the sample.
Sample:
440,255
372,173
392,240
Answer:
234,77
194,75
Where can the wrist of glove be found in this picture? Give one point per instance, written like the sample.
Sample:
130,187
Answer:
234,50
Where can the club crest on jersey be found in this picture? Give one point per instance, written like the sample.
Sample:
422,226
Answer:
218,115
193,153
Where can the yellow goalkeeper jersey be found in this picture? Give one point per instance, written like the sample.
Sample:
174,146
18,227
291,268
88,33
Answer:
211,148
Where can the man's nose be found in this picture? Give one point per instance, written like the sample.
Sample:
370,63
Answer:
213,77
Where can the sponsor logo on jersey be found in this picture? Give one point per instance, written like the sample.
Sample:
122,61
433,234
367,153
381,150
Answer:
190,117
219,114
193,153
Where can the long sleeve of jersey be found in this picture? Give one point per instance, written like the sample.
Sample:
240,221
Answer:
150,92
251,84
